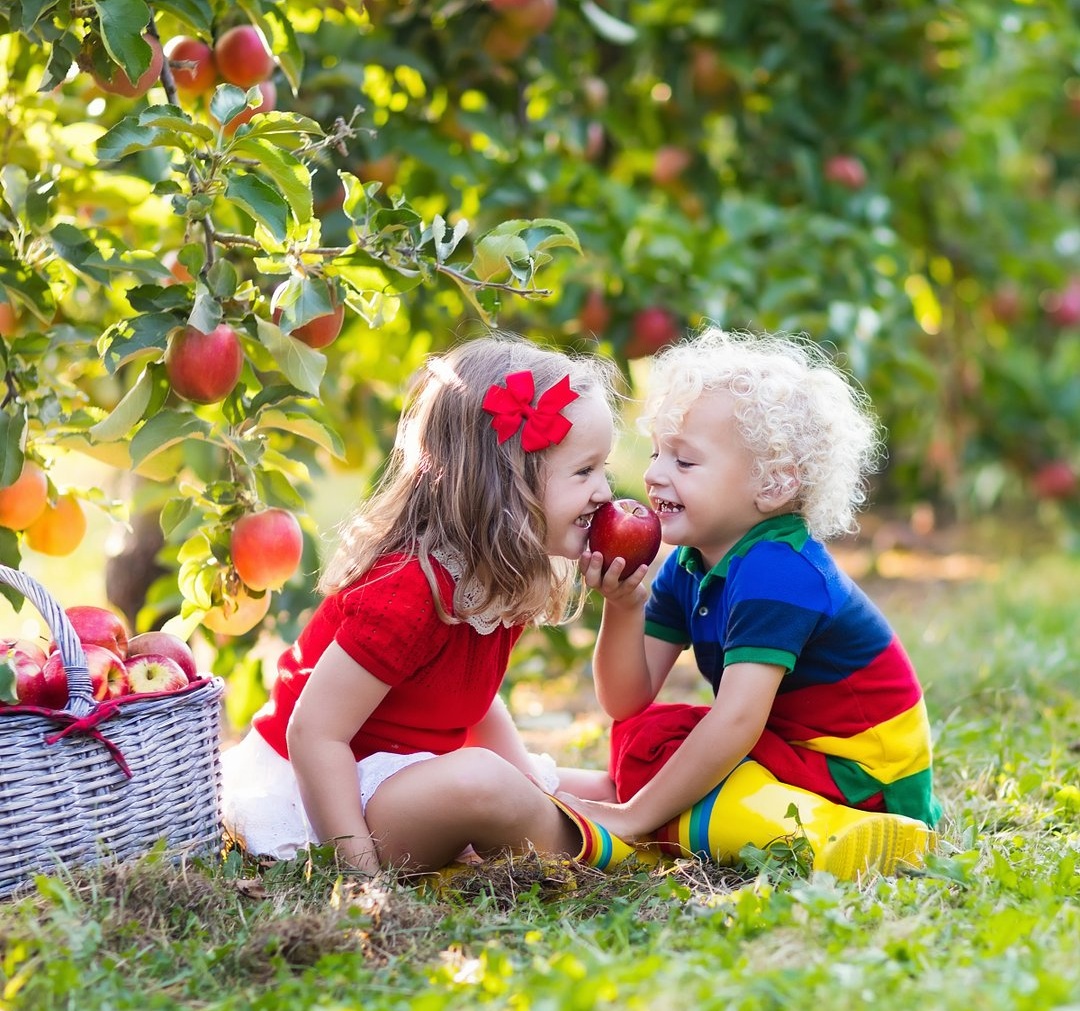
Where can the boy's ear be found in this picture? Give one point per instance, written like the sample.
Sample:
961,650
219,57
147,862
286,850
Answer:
778,490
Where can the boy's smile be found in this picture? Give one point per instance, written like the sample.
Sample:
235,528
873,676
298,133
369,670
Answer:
702,480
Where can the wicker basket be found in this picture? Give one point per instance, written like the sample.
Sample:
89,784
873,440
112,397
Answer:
104,780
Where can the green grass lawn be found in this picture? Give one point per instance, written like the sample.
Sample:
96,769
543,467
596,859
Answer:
993,923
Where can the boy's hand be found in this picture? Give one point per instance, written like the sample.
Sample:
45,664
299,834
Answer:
630,592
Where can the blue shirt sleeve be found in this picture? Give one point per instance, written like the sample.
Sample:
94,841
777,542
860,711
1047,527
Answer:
665,612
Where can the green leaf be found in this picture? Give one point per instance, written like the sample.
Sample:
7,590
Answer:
7,681
125,138
227,102
128,412
305,426
174,513
287,173
79,251
168,428
259,199
198,15
12,438
15,183
173,120
304,367
302,299
139,335
206,312
122,25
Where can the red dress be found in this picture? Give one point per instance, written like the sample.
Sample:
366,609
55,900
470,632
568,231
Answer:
443,678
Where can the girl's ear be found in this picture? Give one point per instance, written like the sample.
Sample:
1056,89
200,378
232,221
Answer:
778,490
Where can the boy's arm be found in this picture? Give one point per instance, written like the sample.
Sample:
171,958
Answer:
628,668
711,750
336,701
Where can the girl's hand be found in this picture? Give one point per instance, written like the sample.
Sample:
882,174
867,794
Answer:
628,593
618,819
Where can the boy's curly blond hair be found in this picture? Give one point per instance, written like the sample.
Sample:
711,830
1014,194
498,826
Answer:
795,410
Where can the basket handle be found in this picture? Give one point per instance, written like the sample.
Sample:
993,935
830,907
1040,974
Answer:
80,693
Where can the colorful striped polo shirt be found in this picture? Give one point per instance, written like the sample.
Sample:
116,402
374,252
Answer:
849,721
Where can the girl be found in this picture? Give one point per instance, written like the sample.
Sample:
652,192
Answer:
384,731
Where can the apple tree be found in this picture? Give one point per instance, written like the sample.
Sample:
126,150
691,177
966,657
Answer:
334,189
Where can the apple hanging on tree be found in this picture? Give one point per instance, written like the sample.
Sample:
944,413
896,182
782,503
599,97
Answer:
625,529
204,367
266,548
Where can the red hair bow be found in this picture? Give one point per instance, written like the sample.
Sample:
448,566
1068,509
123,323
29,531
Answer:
511,408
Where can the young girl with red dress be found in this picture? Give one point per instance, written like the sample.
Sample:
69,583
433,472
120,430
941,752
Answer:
384,732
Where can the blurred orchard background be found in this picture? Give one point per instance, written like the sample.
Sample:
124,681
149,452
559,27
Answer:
898,178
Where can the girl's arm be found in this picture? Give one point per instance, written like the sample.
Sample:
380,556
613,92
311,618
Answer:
628,668
711,750
336,701
497,732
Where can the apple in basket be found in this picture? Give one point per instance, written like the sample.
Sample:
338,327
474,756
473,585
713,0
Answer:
152,672
164,644
26,659
98,626
108,679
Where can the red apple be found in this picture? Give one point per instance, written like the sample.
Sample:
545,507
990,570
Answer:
594,316
846,170
29,649
98,626
625,529
1006,303
108,678
164,644
45,686
266,548
1064,306
204,367
192,62
530,17
321,331
8,319
106,673
242,56
120,83
1056,479
26,660
650,330
670,162
152,672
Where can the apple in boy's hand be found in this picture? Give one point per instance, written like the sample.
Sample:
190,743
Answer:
625,529
152,672
98,626
164,644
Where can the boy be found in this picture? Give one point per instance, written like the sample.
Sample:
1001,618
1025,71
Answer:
760,452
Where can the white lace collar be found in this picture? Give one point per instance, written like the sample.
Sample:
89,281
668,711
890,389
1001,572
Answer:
469,593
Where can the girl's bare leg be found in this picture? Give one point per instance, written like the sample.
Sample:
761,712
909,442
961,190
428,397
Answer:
423,816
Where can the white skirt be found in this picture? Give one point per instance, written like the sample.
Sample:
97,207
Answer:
261,804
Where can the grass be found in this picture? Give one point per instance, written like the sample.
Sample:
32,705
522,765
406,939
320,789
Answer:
993,923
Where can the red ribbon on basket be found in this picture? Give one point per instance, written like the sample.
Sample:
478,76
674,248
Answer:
86,725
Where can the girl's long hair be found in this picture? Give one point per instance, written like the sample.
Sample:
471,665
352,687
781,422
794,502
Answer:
450,487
